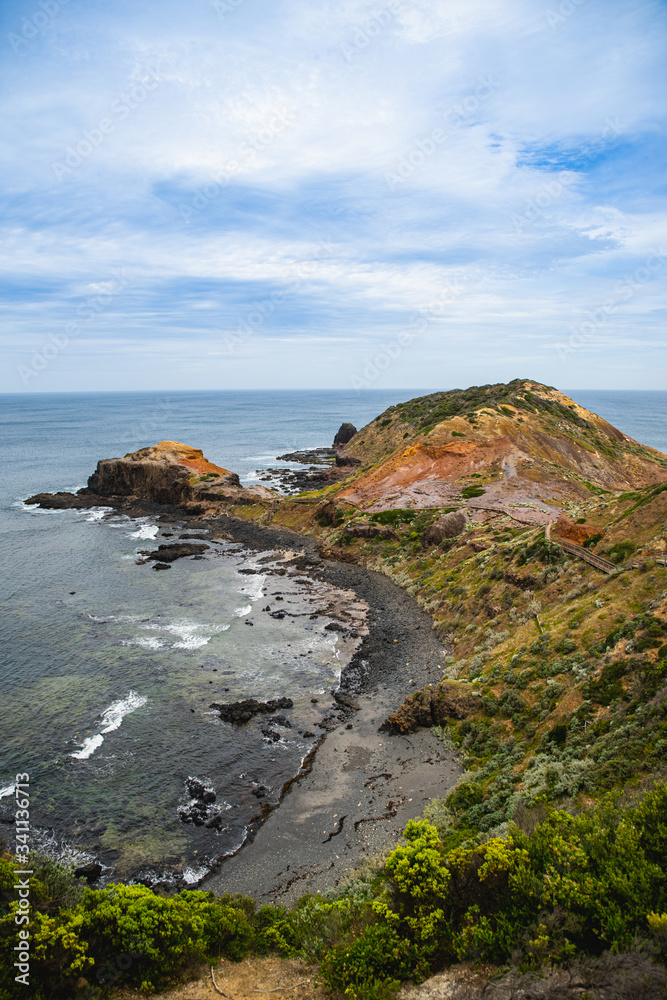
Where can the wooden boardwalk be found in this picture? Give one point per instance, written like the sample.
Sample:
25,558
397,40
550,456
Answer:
606,565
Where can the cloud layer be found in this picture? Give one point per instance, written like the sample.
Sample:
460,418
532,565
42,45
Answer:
283,193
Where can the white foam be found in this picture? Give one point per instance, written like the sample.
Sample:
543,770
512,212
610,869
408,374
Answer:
7,791
111,719
190,635
145,531
97,513
116,712
242,612
88,747
254,588
193,875
150,642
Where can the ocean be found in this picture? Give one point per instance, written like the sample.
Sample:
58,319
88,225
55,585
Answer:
109,668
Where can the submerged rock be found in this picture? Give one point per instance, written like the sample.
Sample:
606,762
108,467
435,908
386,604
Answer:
200,810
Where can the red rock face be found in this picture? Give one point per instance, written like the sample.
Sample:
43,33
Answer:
527,464
571,532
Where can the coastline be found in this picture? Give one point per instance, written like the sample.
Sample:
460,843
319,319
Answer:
359,786
363,785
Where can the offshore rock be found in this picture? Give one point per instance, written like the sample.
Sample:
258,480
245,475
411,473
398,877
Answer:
200,809
170,553
344,434
58,501
240,712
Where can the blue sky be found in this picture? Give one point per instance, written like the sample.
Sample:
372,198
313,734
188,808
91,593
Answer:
302,193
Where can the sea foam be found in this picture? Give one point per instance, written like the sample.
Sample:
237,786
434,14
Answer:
111,719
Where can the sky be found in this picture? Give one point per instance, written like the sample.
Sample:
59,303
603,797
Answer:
231,194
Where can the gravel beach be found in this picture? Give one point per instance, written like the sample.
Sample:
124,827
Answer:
363,785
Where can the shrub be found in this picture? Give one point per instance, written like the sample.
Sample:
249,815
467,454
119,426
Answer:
372,965
394,517
619,552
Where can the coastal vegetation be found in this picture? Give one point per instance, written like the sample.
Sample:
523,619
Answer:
551,849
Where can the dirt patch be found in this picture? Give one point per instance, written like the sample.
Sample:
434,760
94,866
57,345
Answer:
257,978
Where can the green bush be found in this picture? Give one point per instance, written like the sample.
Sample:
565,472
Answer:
372,966
401,515
577,884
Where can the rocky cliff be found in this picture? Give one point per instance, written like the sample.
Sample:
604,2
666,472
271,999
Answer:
168,472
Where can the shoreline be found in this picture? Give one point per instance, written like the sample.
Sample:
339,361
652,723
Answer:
354,795
352,800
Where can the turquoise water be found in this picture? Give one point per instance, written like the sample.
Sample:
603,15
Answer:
109,667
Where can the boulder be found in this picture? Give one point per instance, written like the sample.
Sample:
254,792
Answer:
347,460
432,706
239,712
91,871
170,553
449,526
344,434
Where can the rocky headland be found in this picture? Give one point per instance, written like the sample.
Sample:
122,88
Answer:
512,549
